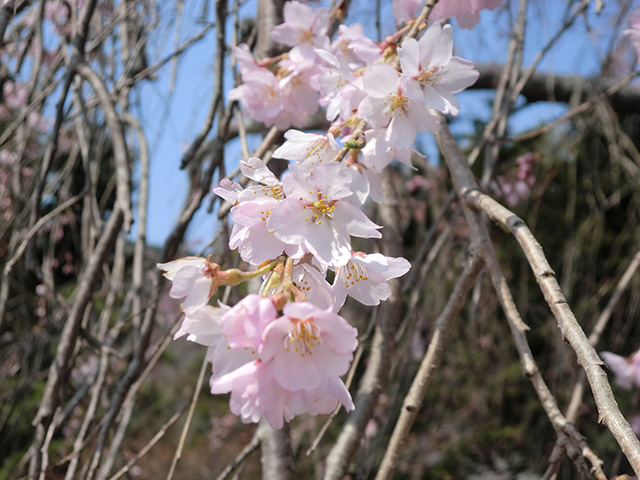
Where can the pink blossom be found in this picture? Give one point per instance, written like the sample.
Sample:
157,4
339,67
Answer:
191,280
389,104
315,215
303,27
256,394
626,369
516,186
261,97
228,190
312,282
378,152
298,88
269,186
365,277
307,344
435,74
634,421
15,94
403,10
356,48
341,90
244,324
634,32
308,149
251,235
7,157
301,357
365,183
466,12
204,326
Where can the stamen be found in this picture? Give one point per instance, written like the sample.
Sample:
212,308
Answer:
303,337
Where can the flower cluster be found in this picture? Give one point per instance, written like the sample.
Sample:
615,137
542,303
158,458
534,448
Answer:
516,186
282,352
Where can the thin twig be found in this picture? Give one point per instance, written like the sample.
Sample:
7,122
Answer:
156,438
422,379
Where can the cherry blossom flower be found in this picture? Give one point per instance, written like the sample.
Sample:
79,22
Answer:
435,74
244,324
269,186
256,394
301,358
315,215
365,183
228,190
356,48
341,90
626,369
191,280
261,98
15,94
303,27
307,344
365,277
388,103
250,234
634,32
378,152
312,282
466,12
308,149
298,88
204,326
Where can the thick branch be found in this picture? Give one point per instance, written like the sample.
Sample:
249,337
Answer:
548,87
467,189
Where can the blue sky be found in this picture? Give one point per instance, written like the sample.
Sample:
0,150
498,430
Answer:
172,121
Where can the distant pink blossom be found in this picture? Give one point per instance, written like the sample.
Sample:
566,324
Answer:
626,369
15,94
403,10
515,187
634,32
466,12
